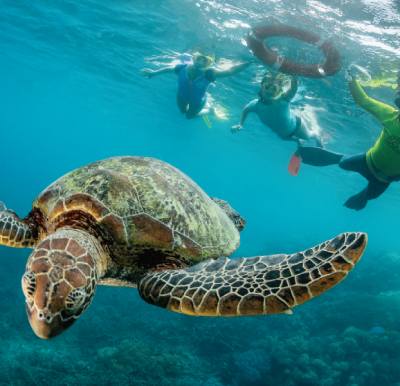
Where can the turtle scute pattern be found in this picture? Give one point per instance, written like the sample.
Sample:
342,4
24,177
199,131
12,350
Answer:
144,202
15,233
60,264
258,285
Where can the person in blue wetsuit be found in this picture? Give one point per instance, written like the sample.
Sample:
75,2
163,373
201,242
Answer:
193,81
273,108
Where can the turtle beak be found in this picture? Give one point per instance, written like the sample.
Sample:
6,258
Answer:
241,223
44,326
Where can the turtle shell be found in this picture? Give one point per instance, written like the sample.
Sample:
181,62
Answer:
141,204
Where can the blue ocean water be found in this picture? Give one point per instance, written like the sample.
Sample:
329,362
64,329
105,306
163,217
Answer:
71,93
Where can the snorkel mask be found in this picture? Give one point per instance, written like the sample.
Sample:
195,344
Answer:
201,61
274,86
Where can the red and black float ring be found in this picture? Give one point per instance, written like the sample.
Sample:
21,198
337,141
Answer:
255,41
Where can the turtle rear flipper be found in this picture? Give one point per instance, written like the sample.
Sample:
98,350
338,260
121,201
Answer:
257,285
14,232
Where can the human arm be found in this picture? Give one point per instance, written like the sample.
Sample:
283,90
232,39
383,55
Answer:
250,107
150,73
377,108
294,85
231,71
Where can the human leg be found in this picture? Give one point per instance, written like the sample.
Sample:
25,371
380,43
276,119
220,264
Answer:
182,104
373,190
303,132
357,163
195,109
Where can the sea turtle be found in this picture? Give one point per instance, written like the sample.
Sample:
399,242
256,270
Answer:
140,222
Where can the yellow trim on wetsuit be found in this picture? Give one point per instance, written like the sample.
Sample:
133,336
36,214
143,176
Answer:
383,158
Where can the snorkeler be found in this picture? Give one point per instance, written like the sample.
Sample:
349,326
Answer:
380,165
273,108
193,81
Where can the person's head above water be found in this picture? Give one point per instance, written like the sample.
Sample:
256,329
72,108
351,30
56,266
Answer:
273,86
201,61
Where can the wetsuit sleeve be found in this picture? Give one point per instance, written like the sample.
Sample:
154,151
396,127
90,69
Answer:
179,67
377,108
251,106
210,75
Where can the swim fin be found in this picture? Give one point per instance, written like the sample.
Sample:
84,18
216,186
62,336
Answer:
317,156
294,164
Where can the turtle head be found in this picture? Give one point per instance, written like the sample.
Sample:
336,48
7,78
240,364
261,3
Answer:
233,214
60,281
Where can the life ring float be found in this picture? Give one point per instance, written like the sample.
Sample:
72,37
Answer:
330,66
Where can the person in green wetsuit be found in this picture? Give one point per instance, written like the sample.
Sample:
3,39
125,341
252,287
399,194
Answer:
380,165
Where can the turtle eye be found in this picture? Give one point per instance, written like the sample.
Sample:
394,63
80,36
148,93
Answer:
75,299
29,284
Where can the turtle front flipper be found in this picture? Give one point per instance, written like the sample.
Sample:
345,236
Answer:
257,285
15,232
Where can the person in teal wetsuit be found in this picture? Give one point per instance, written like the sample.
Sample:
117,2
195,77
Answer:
380,165
273,109
193,81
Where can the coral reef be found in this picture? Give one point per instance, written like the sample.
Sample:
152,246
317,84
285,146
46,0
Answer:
349,337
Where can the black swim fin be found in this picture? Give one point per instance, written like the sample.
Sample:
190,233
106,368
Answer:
318,157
